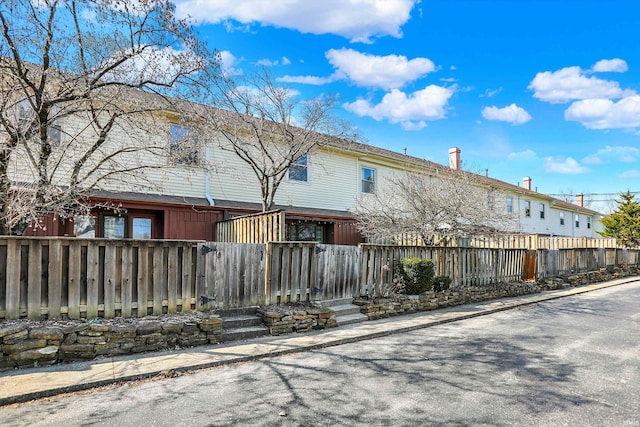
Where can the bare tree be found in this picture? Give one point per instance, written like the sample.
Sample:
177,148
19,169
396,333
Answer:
438,208
267,127
82,82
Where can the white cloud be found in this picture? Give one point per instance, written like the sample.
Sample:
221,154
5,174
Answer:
527,154
606,114
615,65
570,84
357,20
512,114
365,70
310,80
490,93
386,72
266,62
407,109
620,153
564,165
228,62
633,173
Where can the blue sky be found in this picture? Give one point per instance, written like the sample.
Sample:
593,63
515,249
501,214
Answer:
540,88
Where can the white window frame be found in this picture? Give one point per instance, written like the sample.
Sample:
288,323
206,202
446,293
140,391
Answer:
373,182
527,208
306,167
577,219
588,223
542,211
509,204
562,219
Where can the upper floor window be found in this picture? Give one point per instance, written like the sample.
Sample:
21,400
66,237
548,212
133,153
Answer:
368,180
54,133
491,200
182,148
299,170
577,221
527,208
509,204
541,210
588,222
561,218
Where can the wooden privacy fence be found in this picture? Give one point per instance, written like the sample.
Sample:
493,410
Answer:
256,228
465,266
88,278
554,262
95,278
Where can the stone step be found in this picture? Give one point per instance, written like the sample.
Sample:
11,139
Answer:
243,311
244,333
242,321
333,302
344,309
350,319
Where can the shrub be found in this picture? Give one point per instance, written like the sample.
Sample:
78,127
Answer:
441,283
415,274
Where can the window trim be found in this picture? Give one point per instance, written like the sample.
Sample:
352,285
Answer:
588,223
509,204
577,219
372,183
527,208
542,211
562,219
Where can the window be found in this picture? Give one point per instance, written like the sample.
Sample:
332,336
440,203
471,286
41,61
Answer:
84,226
577,221
54,132
541,210
368,180
491,200
509,204
141,228
299,170
306,231
561,218
113,227
527,208
588,222
182,148
25,114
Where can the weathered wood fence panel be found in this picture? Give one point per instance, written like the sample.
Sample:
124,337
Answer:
303,271
256,228
234,274
78,278
82,278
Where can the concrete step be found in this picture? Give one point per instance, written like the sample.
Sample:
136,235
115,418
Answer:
344,309
242,321
350,319
244,333
333,302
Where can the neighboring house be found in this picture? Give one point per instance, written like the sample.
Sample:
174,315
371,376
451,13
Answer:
202,185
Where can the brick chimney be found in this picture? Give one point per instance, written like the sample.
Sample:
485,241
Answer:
454,158
580,200
526,182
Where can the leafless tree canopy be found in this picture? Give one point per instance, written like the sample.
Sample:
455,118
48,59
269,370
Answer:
269,128
437,208
81,83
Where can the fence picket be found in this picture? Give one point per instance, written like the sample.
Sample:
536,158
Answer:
34,286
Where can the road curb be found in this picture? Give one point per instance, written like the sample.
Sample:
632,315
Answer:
325,341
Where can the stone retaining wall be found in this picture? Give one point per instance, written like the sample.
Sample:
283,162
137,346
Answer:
284,320
31,344
402,304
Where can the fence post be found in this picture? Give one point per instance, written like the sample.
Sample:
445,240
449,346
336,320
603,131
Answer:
267,273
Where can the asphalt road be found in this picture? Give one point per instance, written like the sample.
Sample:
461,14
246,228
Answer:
573,361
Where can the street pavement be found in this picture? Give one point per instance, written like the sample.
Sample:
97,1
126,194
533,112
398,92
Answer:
26,384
